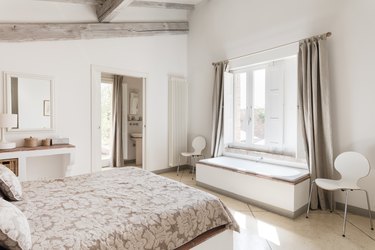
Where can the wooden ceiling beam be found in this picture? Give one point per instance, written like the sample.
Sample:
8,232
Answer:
87,2
136,3
110,8
65,31
163,5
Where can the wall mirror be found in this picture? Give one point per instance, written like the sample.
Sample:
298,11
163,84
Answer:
31,98
134,103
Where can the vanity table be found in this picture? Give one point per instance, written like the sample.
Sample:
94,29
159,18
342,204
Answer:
31,98
16,158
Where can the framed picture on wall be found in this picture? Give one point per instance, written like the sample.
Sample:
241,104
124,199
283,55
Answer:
46,108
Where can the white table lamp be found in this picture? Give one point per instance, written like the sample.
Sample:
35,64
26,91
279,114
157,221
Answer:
7,121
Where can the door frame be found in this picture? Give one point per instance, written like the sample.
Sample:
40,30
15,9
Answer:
96,71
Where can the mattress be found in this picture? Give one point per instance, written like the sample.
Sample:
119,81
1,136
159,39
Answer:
125,208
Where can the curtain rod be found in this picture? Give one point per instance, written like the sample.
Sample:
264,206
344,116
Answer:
328,34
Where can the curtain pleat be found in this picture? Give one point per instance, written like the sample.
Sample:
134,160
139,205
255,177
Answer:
117,142
314,113
218,110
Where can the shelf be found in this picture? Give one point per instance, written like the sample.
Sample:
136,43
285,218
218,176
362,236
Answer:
21,149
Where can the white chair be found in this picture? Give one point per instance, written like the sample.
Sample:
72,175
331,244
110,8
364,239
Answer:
352,167
198,144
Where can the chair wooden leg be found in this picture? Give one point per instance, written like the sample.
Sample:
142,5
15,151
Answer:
345,214
308,203
369,210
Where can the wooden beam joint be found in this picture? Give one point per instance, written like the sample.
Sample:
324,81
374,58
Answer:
110,8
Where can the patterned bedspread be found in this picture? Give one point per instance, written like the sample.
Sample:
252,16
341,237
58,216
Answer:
125,208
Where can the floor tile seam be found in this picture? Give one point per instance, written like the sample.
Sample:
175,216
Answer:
179,175
182,175
269,245
188,173
251,211
361,230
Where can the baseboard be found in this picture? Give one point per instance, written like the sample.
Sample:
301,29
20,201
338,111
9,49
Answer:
265,206
171,169
129,161
354,210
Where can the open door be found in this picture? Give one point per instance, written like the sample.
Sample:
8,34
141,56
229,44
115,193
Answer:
96,114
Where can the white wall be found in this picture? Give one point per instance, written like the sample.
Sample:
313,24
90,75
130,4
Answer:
70,63
223,29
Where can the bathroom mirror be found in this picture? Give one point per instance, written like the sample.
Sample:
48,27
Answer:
134,103
31,98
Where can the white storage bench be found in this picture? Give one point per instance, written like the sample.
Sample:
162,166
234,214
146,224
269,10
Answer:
280,189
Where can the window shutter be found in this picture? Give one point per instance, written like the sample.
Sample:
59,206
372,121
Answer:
275,106
228,108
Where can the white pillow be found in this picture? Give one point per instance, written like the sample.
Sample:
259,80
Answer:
14,228
10,186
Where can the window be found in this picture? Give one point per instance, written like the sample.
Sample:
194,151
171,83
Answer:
260,107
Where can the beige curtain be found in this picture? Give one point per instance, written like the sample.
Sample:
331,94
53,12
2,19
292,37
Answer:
218,110
117,143
314,113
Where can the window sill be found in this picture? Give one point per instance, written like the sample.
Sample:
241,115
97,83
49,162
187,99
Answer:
276,159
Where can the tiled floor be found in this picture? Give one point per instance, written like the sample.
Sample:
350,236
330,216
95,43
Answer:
265,230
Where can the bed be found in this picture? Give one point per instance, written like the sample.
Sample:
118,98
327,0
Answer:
125,208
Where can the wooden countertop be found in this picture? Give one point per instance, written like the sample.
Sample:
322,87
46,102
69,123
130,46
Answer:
20,149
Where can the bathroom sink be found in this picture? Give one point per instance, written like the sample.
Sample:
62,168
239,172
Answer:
136,135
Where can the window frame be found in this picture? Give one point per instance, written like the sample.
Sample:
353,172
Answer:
249,106
249,70
274,68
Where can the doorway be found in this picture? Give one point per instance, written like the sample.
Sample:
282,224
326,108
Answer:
133,117
106,92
